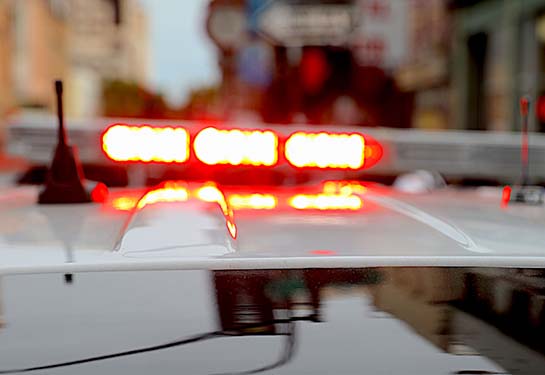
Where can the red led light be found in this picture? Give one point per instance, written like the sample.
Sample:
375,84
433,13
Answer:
210,193
252,202
236,147
146,144
325,202
168,192
124,203
326,150
505,196
323,252
99,193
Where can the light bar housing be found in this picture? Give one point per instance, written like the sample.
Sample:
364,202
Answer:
326,150
125,143
212,146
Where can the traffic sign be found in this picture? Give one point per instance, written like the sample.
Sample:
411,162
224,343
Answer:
226,24
303,24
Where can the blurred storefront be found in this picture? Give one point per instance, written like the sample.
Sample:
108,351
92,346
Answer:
498,55
425,71
429,64
312,61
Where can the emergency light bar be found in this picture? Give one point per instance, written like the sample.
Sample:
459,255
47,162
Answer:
325,150
146,144
247,147
260,148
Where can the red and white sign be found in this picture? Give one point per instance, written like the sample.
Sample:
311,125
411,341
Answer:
381,38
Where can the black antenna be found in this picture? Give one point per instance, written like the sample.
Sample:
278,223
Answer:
61,134
64,180
524,155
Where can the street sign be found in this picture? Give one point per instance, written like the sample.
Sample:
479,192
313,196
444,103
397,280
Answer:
381,39
296,25
226,25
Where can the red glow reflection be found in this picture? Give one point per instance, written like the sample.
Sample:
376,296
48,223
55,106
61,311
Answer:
323,252
505,196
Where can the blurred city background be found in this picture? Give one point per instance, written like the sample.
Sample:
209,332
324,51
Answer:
424,64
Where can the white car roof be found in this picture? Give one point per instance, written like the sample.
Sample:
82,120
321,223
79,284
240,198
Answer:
443,228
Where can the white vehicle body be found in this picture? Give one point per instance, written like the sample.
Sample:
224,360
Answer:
447,227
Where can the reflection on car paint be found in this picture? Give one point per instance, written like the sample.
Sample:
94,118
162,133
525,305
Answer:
498,313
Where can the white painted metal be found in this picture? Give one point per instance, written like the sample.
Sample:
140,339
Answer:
443,228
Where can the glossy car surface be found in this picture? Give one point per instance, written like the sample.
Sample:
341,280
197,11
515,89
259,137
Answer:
345,321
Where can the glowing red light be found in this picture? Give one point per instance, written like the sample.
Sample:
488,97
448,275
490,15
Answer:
209,192
345,188
325,202
124,203
99,193
169,192
314,70
323,252
236,147
252,201
505,196
326,150
146,144
540,109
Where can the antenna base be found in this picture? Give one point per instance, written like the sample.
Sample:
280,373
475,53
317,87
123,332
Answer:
64,183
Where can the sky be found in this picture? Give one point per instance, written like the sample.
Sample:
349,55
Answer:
182,55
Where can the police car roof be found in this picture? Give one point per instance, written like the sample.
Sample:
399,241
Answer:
182,226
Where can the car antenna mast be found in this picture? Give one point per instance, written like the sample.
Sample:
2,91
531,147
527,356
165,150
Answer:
64,179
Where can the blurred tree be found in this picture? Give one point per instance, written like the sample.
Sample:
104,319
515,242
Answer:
128,99
202,103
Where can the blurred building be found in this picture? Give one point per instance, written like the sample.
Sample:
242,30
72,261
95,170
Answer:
2,321
83,42
38,52
107,40
313,73
495,312
6,81
498,55
425,71
429,64
420,297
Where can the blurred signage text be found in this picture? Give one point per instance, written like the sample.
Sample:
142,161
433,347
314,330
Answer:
381,36
296,25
